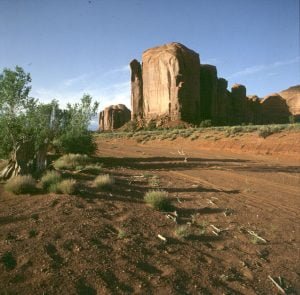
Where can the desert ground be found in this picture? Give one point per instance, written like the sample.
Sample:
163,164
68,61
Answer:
237,198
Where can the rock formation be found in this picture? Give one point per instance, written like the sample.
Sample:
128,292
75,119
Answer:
209,103
114,117
136,90
222,112
239,104
254,109
292,98
171,83
274,109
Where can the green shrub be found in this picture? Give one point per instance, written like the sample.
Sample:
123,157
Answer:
104,181
130,126
292,119
194,136
49,178
151,125
53,188
93,168
206,123
76,143
182,231
71,161
21,184
67,186
158,199
266,131
8,260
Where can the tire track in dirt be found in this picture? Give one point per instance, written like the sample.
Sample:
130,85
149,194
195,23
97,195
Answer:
289,192
251,199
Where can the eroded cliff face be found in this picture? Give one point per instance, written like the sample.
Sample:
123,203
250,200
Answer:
114,117
209,103
171,82
274,109
136,90
292,98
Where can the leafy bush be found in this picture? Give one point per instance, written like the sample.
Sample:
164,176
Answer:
104,181
292,119
49,178
182,231
21,184
151,125
8,260
93,168
79,143
71,161
158,199
266,131
206,123
67,186
130,126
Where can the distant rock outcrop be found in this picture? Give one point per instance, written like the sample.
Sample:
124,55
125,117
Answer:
209,103
292,98
274,109
114,117
171,83
136,90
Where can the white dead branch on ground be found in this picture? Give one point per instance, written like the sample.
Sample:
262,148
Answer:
182,153
277,285
211,202
173,218
254,234
216,231
162,238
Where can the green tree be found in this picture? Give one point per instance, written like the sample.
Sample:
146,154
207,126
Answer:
14,105
27,127
75,136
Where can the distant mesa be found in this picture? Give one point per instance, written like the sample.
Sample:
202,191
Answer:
114,117
292,98
172,85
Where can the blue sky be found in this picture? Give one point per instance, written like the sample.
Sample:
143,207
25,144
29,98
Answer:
72,47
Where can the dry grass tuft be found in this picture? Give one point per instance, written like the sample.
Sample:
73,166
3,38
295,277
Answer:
49,178
67,186
21,184
104,181
71,161
158,199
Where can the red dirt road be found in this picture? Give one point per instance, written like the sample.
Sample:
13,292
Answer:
106,242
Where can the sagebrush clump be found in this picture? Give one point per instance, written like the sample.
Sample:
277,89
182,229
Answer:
49,178
71,161
158,199
105,181
182,231
67,186
21,184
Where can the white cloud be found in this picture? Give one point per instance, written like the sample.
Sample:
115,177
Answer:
122,69
260,68
72,81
